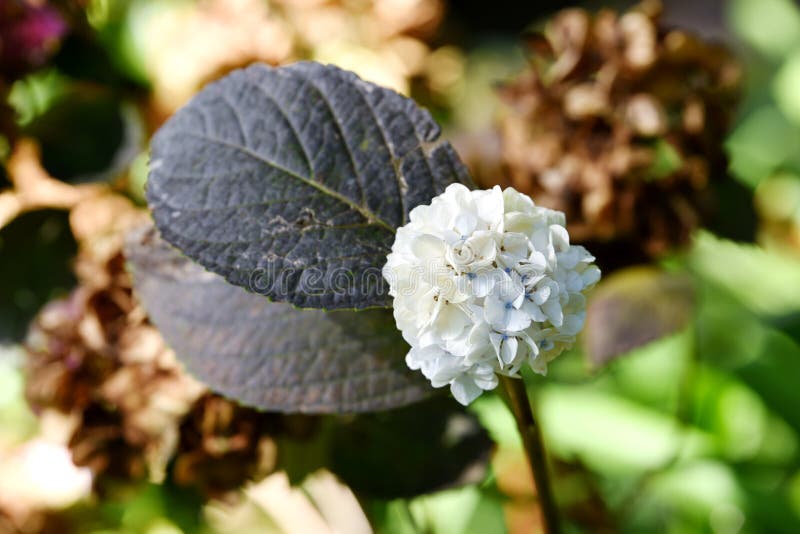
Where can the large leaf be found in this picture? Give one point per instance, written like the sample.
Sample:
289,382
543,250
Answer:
290,181
271,355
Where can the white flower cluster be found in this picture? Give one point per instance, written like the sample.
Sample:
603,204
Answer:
484,281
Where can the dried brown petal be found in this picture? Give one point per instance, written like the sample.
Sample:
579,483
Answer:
639,34
620,123
95,356
646,116
584,101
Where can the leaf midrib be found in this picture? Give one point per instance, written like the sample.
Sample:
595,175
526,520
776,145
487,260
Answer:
369,216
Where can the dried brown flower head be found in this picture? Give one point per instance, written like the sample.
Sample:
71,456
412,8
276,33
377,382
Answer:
95,356
619,122
190,45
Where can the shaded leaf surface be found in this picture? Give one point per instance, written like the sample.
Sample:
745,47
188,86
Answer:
633,307
271,355
290,181
410,451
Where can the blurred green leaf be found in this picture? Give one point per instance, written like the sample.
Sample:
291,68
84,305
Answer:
778,197
123,26
33,95
495,416
592,424
17,422
762,141
771,26
769,509
392,517
144,509
766,282
158,504
467,510
774,375
786,87
739,420
703,493
654,373
667,160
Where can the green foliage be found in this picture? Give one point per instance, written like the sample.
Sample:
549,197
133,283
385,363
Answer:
771,26
687,418
767,283
697,431
667,160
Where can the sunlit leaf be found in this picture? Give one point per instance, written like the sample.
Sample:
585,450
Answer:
760,143
611,434
773,374
766,282
771,26
467,510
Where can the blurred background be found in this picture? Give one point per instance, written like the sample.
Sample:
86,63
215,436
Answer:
669,134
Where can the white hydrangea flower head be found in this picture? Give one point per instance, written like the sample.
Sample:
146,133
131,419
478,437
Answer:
484,282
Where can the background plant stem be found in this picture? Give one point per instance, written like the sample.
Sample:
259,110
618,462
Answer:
534,448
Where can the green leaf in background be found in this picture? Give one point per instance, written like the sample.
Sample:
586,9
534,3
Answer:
467,510
290,181
765,282
667,160
774,375
611,434
785,88
760,144
17,421
633,307
771,26
778,198
698,496
270,355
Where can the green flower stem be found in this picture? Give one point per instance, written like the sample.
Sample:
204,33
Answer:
534,448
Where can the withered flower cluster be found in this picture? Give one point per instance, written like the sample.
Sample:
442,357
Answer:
95,357
386,41
619,122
